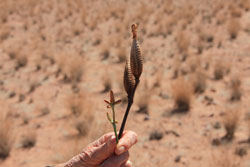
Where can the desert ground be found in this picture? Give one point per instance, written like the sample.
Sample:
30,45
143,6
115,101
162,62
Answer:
60,58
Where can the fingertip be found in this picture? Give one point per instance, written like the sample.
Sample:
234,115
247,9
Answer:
128,139
127,164
132,135
135,136
119,150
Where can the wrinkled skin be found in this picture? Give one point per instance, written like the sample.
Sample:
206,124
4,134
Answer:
105,153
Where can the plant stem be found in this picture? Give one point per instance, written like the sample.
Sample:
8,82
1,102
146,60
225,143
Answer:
130,102
116,136
114,123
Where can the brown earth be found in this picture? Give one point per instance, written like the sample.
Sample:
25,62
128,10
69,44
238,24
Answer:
56,56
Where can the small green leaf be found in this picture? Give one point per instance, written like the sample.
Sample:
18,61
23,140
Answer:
109,117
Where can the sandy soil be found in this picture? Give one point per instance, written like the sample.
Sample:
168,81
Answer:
57,55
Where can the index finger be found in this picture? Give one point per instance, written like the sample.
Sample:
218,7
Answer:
129,138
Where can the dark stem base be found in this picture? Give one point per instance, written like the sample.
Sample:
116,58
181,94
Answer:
130,103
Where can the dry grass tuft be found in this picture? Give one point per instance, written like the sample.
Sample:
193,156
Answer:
176,67
235,11
248,123
182,93
245,4
219,71
143,102
26,119
4,33
21,60
72,66
158,79
122,55
236,92
155,135
230,121
65,153
107,84
105,52
224,158
29,140
75,104
44,111
12,54
87,125
199,82
6,135
83,123
182,42
194,64
221,18
81,108
233,28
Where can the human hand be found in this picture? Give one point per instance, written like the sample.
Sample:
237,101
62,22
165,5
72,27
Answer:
104,152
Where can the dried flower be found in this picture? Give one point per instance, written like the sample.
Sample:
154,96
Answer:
134,66
111,104
112,101
135,55
128,79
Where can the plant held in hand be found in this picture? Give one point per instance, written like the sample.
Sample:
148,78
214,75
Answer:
111,104
132,73
131,79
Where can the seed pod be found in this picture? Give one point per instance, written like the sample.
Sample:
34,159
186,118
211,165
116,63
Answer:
128,79
135,55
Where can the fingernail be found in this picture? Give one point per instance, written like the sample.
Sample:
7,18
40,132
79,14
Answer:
120,150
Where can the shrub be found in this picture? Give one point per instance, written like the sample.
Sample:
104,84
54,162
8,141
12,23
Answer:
199,82
182,42
122,55
236,91
223,157
44,111
105,53
81,108
75,104
6,135
249,130
230,121
182,94
158,79
84,122
74,68
219,71
155,135
29,140
71,65
143,102
21,60
107,84
233,27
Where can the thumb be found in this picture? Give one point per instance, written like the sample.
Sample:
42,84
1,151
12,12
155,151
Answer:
105,150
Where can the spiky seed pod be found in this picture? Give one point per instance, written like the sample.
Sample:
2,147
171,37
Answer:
135,55
128,79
